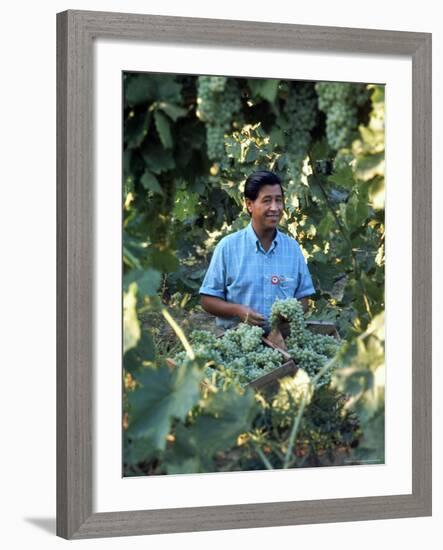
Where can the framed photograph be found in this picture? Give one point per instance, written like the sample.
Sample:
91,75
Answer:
160,122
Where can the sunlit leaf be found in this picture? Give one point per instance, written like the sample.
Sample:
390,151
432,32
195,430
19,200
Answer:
377,193
173,111
370,166
131,325
185,205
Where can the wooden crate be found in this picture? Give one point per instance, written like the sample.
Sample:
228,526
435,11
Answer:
270,379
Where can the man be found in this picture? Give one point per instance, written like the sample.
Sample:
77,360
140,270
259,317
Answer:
255,266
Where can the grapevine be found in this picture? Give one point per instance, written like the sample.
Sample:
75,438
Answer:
340,102
301,110
217,100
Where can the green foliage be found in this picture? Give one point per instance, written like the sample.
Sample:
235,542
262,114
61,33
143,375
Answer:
363,379
148,281
141,354
189,144
225,415
164,395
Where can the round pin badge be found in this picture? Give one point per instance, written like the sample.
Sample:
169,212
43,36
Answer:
274,280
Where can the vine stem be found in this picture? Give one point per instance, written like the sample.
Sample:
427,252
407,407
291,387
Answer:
301,410
262,455
294,430
180,334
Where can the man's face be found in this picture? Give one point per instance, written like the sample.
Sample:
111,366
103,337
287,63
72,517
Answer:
267,209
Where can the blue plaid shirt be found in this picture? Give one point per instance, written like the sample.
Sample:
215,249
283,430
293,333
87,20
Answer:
242,272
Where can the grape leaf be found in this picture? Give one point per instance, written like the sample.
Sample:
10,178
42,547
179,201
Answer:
173,111
164,129
141,88
150,183
157,159
343,178
148,280
137,449
268,89
165,394
326,224
165,261
227,414
144,351
136,129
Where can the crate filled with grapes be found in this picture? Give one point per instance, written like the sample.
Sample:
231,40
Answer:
244,356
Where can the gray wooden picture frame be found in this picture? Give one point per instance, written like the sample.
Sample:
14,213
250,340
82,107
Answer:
76,32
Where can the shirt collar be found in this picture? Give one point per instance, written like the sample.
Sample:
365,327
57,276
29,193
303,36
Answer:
252,236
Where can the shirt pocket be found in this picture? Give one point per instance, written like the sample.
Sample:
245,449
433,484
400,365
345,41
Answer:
287,286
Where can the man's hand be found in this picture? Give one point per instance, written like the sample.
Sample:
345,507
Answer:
220,308
249,316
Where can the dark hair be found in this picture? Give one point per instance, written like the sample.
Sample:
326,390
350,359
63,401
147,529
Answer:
257,180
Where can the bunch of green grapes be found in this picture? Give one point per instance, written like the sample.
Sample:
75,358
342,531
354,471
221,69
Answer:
249,337
240,340
215,141
230,345
290,310
254,364
206,355
218,98
243,351
238,357
321,343
203,338
340,102
217,83
312,362
301,111
206,99
264,358
310,351
204,345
